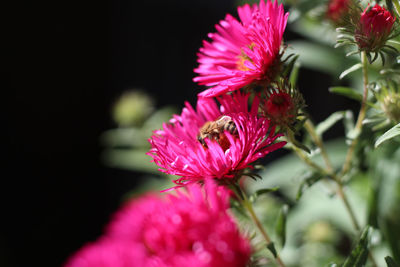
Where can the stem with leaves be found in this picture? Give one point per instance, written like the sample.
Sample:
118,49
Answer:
361,116
246,203
309,126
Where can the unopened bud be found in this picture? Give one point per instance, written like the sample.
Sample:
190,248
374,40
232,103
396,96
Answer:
374,28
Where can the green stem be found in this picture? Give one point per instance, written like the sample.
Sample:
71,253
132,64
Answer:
361,116
249,207
318,141
348,206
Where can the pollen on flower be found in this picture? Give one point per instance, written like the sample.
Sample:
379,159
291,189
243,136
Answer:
214,141
243,58
242,52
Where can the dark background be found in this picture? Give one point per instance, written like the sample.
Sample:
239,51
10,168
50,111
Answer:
66,65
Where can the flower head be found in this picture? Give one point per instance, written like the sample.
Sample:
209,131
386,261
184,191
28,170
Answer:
243,52
375,27
190,228
180,148
108,252
282,103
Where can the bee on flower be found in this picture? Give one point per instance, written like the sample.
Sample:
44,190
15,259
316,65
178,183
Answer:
214,141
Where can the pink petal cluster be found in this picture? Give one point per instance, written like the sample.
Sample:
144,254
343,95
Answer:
242,52
190,228
108,253
374,28
177,150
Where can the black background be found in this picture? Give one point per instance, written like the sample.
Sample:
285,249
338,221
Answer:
66,64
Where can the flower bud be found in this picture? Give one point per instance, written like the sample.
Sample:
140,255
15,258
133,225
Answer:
388,96
374,28
282,104
391,107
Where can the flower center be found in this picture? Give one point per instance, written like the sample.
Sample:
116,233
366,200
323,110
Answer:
243,57
279,104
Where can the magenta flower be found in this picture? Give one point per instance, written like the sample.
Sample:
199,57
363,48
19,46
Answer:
109,253
179,150
374,28
190,228
242,53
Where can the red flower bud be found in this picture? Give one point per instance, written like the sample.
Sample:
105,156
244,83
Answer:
374,28
282,104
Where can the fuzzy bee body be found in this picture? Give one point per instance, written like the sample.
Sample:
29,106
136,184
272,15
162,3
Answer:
214,130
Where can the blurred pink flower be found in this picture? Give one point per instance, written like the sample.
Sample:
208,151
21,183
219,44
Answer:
242,52
109,253
190,228
178,151
374,28
337,9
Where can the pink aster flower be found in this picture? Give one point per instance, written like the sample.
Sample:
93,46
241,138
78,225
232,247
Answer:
242,52
109,253
185,147
190,228
374,28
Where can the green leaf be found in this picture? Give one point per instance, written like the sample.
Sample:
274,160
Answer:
348,121
289,67
271,247
280,227
329,122
309,179
391,133
256,194
358,256
350,70
300,145
347,92
390,262
266,190
294,74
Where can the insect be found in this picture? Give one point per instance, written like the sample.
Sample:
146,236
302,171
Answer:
214,130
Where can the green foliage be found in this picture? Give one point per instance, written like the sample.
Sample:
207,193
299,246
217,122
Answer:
350,70
390,262
391,133
347,92
359,254
280,227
